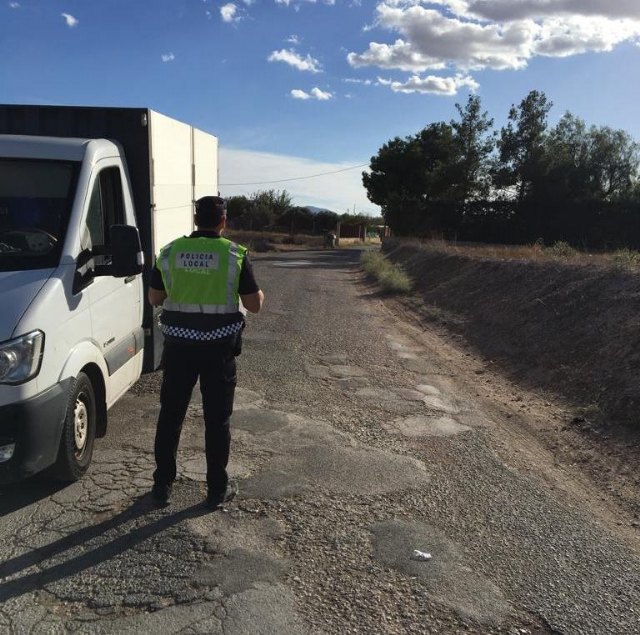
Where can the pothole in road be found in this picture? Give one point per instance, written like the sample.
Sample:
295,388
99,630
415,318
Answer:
350,384
343,371
311,456
394,402
334,371
338,358
439,404
258,420
400,347
425,426
428,389
316,371
376,394
446,575
410,395
246,397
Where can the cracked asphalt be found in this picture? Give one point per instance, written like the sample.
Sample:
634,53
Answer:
357,439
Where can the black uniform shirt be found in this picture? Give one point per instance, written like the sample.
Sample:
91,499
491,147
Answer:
194,323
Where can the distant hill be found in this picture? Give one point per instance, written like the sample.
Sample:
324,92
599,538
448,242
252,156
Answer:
317,210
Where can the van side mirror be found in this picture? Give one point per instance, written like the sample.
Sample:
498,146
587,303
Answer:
127,257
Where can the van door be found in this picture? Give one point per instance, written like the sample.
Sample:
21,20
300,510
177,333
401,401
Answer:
116,311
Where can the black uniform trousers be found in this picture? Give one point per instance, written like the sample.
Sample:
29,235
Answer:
215,365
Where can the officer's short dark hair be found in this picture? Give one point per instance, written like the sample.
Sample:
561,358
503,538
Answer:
210,210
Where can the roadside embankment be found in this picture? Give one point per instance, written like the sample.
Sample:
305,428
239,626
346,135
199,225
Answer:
572,329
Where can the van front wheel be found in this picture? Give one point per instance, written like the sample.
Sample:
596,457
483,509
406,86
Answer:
78,433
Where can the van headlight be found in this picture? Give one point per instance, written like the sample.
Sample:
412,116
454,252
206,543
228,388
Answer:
20,358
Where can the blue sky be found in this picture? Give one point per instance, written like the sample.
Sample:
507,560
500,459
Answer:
294,88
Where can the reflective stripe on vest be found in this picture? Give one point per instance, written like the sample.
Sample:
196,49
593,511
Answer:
201,275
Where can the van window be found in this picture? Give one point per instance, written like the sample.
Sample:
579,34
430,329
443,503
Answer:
35,204
106,208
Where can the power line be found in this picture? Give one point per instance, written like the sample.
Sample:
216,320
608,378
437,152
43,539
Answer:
297,178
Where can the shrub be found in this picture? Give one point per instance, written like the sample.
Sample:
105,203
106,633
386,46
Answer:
561,249
626,258
261,245
391,277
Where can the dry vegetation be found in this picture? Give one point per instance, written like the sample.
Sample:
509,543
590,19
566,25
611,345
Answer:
561,324
554,319
391,277
560,251
260,242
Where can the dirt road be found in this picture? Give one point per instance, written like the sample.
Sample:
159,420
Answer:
360,437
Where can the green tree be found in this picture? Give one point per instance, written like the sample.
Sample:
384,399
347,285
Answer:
396,183
614,162
296,219
598,163
259,211
237,207
522,147
275,201
325,220
411,180
476,142
568,161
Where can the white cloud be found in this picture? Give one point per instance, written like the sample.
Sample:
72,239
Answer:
432,85
561,37
503,10
494,34
320,94
293,39
70,20
297,3
431,40
296,93
229,12
353,80
168,57
14,5
289,56
315,93
338,191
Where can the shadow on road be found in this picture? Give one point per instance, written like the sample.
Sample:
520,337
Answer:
92,556
24,493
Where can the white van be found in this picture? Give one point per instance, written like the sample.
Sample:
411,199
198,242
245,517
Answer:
86,196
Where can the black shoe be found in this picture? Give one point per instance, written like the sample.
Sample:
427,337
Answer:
217,499
161,493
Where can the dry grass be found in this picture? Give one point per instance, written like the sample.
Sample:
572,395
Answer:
560,251
391,277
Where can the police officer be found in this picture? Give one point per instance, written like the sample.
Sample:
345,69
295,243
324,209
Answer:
199,280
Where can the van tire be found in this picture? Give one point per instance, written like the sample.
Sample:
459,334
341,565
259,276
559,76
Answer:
78,432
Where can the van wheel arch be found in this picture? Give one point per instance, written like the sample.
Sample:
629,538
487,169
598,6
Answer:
94,374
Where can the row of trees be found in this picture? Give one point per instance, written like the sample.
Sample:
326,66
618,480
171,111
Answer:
273,210
465,180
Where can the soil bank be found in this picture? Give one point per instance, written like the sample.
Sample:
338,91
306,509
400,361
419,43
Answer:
565,331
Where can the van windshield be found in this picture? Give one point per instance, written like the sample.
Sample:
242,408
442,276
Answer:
35,204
